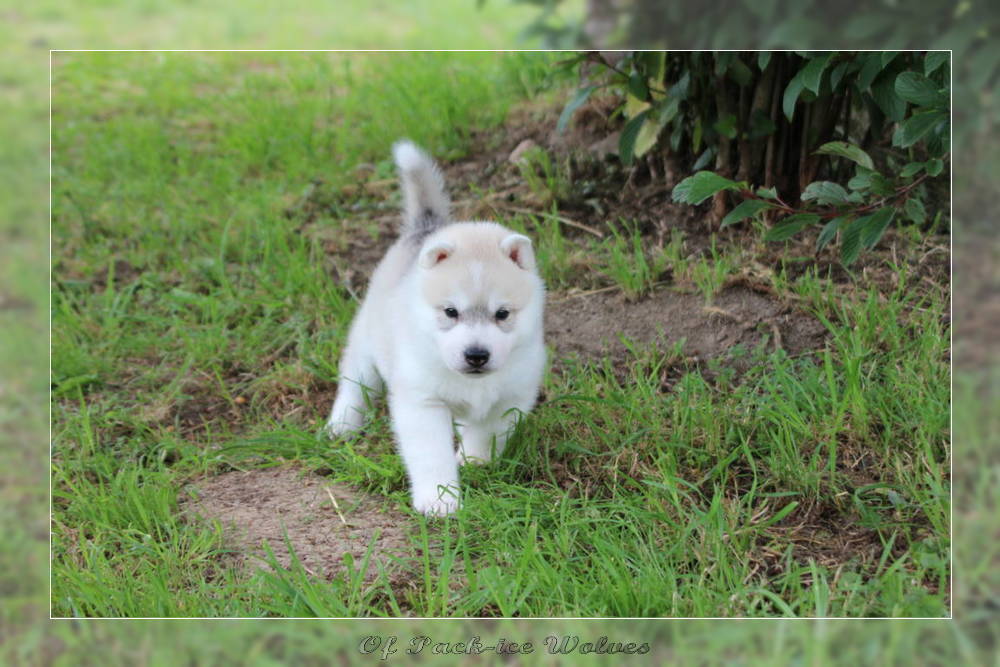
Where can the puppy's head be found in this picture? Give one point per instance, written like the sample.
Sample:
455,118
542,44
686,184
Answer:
480,293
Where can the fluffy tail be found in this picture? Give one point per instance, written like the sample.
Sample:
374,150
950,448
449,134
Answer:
425,202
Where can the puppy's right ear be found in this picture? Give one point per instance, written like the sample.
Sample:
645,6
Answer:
433,255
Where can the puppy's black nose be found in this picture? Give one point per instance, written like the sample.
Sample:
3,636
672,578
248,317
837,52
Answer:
476,357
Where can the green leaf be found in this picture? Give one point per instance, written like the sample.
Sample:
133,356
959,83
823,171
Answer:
676,136
881,185
862,179
667,110
825,192
850,243
791,96
837,73
574,104
939,141
704,158
633,106
740,73
812,73
917,89
637,86
696,137
934,60
911,169
915,210
850,151
626,143
726,126
888,57
722,61
870,69
648,134
791,226
653,64
680,89
763,58
884,94
769,193
746,209
874,226
934,166
916,127
829,231
696,189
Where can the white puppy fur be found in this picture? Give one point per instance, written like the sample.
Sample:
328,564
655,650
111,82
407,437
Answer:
452,327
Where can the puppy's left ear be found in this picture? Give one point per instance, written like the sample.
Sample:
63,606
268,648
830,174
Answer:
518,248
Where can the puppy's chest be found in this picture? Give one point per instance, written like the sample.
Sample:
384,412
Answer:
477,403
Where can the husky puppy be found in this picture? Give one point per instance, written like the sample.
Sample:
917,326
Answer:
452,327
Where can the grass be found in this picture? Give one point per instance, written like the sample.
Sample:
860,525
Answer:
709,274
254,24
548,182
196,328
565,261
626,262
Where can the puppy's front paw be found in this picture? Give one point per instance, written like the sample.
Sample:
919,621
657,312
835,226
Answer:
437,504
338,429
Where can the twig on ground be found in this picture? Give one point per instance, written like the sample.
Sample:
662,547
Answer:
586,293
725,313
566,221
931,252
777,335
271,358
599,290
336,507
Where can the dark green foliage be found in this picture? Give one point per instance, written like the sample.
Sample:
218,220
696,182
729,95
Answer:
791,124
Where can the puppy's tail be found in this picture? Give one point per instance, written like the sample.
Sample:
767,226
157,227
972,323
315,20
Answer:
426,206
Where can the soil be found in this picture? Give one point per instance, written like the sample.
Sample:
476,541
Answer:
265,506
591,325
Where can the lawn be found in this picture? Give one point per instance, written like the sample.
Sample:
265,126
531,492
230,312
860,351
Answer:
729,428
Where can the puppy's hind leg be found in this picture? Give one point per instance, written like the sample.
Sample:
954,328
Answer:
357,375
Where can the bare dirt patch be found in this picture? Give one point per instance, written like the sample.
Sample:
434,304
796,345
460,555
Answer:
263,506
591,326
822,533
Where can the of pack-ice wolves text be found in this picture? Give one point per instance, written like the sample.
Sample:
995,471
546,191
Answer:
451,326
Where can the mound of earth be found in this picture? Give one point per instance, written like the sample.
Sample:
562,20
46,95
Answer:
592,325
323,521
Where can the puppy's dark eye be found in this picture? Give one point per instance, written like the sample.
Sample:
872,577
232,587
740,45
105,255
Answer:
451,312
502,314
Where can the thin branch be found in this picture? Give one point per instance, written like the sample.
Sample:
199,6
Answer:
901,193
615,69
566,221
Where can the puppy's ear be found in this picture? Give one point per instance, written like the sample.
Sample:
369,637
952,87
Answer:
433,255
518,248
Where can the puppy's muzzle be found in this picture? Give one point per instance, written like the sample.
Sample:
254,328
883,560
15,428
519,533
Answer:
476,358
